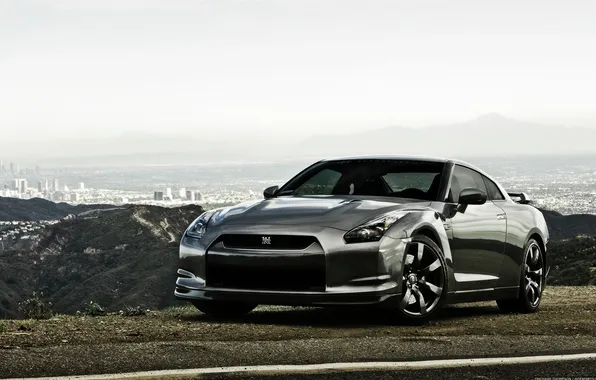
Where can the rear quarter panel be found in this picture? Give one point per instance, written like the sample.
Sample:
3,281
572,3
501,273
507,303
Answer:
523,222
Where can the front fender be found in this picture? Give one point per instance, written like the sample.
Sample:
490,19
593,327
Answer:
428,223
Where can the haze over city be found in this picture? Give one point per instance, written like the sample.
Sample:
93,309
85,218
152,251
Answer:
244,72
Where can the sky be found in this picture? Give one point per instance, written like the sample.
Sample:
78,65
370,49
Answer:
84,68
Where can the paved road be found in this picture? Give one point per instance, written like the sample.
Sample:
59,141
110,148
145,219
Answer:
130,357
585,369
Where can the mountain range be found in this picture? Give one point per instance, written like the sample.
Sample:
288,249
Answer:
486,135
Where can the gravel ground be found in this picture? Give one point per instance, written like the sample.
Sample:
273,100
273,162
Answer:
183,338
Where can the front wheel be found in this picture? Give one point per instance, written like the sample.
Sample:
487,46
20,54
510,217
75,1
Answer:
531,283
424,280
224,309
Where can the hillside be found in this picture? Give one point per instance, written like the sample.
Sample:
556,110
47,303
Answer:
569,226
573,261
40,209
116,258
127,256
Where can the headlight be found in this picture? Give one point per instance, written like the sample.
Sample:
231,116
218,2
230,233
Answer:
198,228
374,229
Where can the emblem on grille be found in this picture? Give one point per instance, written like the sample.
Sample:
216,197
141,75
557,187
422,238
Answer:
266,240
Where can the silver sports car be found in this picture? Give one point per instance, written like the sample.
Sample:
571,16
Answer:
407,234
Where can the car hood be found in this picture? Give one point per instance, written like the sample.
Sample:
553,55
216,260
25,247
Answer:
343,213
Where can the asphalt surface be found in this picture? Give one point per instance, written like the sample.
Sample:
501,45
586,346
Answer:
131,357
584,370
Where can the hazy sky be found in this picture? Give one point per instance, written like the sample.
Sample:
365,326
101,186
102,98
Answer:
103,67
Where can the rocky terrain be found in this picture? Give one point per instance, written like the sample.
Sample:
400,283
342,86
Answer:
116,258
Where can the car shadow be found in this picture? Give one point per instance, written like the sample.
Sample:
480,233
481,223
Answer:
343,317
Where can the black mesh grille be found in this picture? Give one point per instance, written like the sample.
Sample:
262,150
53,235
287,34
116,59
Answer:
268,242
304,272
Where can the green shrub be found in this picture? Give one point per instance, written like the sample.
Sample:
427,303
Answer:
35,307
93,309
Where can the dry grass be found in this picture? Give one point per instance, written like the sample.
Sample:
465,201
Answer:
564,311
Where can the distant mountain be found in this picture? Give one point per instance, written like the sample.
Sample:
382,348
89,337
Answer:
123,257
39,209
569,226
487,135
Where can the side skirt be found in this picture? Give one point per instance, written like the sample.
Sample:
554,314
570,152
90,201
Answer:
489,294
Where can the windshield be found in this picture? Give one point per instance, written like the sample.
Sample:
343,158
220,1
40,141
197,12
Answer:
370,177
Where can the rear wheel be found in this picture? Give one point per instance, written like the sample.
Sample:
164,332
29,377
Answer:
224,309
531,282
424,280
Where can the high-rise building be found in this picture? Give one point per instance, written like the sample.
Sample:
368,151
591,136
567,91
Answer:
40,186
169,193
16,184
12,169
56,185
23,185
198,196
81,186
182,193
190,195
1,167
158,196
46,185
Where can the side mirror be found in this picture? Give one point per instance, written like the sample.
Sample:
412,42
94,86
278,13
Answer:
270,192
472,197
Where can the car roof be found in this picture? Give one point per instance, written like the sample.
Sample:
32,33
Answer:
391,157
420,158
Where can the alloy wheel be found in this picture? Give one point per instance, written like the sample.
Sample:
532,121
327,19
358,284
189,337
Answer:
533,274
423,280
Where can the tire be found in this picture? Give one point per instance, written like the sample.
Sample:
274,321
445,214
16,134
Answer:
424,280
532,282
223,309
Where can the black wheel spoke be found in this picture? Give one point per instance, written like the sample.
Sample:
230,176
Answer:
421,301
432,267
433,288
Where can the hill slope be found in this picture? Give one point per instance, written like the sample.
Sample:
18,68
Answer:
40,209
116,258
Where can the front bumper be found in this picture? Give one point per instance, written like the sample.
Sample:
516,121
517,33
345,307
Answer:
354,274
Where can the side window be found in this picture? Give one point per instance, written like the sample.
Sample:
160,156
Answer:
493,192
464,178
321,183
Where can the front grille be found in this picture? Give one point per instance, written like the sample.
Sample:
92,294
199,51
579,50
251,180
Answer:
303,272
268,242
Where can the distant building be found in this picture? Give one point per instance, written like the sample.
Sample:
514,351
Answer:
74,197
190,195
169,193
66,189
12,168
198,196
158,196
23,186
81,186
182,193
56,184
15,184
40,187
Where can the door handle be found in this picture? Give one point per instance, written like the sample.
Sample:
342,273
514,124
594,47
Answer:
501,216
